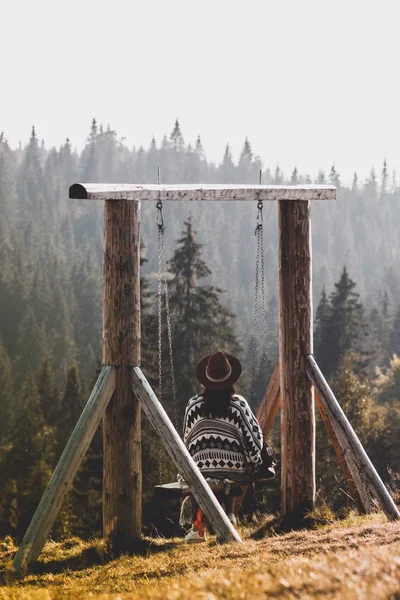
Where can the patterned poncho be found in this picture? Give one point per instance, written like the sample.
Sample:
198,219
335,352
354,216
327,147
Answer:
223,447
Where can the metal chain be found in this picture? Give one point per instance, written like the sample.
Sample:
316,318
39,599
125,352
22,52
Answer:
162,281
169,334
264,355
260,267
160,237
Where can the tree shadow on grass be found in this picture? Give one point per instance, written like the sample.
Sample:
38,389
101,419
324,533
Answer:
95,555
278,525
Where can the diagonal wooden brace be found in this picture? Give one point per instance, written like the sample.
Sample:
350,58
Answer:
351,474
65,471
181,457
350,444
269,405
266,415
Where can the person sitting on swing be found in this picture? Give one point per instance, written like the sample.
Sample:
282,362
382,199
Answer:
221,433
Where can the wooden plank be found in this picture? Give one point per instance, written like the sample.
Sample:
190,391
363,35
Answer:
65,471
181,457
122,473
269,405
205,192
297,397
352,478
354,447
178,489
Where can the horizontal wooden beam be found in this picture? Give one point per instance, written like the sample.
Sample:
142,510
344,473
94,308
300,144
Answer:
181,457
345,432
125,191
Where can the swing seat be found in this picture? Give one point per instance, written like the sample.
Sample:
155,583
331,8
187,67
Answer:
180,489
175,489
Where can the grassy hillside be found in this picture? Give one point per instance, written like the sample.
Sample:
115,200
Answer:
358,558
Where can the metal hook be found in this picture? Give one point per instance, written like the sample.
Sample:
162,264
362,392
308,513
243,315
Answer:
259,217
160,216
258,228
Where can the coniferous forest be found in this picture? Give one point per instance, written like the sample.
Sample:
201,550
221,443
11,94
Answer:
51,306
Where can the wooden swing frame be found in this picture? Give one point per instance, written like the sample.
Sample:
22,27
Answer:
122,389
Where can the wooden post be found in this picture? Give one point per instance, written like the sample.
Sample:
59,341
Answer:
295,333
351,474
266,415
181,458
65,471
269,405
122,479
348,437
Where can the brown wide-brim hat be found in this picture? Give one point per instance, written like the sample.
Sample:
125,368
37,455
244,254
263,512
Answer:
218,371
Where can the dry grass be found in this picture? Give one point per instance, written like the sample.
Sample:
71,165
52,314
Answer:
358,558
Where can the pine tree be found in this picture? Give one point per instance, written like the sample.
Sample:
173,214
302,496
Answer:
139,173
354,187
393,187
353,395
371,185
334,177
152,162
48,393
395,345
340,324
388,383
87,311
321,319
90,158
295,177
68,162
384,179
201,325
245,170
381,328
199,169
108,154
376,329
8,167
30,182
199,147
61,339
26,467
355,398
31,344
71,407
176,137
278,179
6,392
82,513
227,168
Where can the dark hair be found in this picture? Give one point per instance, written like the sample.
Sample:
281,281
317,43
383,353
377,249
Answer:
216,402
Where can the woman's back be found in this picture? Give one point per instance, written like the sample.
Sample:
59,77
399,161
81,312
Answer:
222,435
221,432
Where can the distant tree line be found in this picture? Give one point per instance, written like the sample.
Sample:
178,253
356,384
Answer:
50,306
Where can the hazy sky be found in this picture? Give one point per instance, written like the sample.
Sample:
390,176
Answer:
309,82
